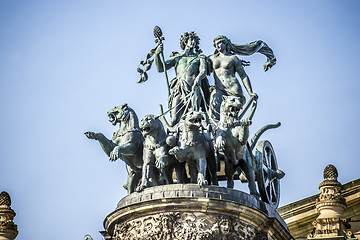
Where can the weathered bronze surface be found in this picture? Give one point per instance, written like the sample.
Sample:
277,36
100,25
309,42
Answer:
207,131
158,163
231,137
196,149
126,143
225,65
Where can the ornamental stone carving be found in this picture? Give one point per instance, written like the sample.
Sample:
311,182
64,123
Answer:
8,229
193,212
331,205
187,226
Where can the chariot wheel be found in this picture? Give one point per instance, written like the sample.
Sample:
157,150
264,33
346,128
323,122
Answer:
267,173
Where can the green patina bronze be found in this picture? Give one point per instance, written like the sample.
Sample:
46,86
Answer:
126,143
206,130
225,66
195,147
158,164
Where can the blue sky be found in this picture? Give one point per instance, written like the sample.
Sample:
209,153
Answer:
64,64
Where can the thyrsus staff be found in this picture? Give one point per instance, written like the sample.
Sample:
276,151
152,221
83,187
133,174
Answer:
148,61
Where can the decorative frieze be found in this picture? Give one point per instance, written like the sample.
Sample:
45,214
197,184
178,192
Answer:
187,226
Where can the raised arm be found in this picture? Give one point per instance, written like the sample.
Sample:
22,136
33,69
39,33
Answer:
244,77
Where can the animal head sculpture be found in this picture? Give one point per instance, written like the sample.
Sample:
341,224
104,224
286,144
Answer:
151,125
193,120
119,114
230,106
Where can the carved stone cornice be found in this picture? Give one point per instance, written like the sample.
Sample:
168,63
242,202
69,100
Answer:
190,211
331,227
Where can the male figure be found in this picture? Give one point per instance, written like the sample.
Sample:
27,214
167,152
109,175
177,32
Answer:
226,64
190,68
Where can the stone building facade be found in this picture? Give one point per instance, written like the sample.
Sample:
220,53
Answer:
334,213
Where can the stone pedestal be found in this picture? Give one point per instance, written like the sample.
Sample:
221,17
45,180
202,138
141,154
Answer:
192,212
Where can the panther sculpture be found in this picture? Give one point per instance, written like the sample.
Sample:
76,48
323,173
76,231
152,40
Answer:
126,143
196,148
231,138
155,155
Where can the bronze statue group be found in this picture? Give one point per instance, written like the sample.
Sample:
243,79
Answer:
207,124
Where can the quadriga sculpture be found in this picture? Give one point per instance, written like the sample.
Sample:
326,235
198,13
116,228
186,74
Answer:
196,148
231,138
126,143
156,155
